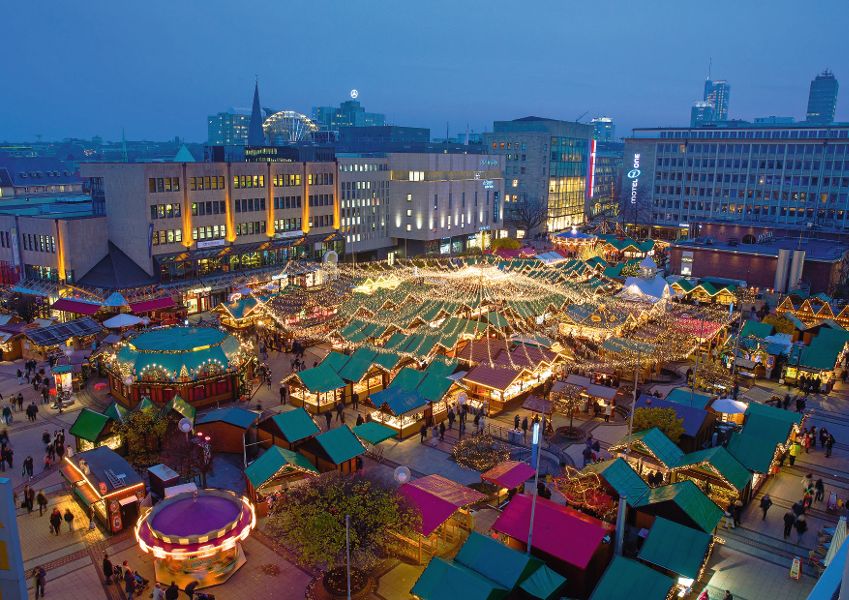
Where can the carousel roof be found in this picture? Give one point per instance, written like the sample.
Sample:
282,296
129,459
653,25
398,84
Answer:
177,350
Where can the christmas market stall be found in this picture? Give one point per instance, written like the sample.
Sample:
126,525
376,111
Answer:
203,365
581,561
317,389
367,371
598,399
372,434
765,437
231,428
270,475
161,310
334,450
627,578
600,486
486,568
816,363
197,536
242,311
648,452
697,422
413,398
92,429
677,551
103,481
41,342
509,478
681,502
444,506
287,429
717,473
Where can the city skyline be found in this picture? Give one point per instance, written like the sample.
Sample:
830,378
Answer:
166,75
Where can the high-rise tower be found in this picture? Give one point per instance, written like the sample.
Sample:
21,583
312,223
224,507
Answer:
822,99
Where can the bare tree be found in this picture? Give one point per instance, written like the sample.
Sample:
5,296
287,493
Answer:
528,215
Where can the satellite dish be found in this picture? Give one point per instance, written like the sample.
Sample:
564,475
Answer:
402,474
185,425
330,257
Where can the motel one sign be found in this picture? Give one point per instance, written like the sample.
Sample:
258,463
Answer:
634,176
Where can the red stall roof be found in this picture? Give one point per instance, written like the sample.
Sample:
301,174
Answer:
79,307
149,305
437,498
509,474
553,524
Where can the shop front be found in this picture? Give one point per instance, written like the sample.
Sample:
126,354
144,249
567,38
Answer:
103,482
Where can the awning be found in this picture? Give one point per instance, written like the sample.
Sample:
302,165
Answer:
122,320
537,404
434,510
151,305
729,406
443,579
676,548
543,583
626,578
340,444
272,461
510,474
76,306
374,432
293,425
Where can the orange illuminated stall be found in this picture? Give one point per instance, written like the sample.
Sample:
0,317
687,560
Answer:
101,479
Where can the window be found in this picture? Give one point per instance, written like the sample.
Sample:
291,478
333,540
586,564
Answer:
409,227
409,212
686,263
163,184
416,176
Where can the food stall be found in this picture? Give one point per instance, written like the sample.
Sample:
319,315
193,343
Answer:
102,479
508,477
275,471
92,429
317,389
196,536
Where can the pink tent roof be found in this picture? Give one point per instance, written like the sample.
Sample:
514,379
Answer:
456,493
553,526
509,474
79,307
435,511
154,304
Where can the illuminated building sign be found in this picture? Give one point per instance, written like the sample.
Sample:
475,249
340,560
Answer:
488,184
634,176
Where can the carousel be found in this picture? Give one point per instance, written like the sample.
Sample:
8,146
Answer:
204,365
195,536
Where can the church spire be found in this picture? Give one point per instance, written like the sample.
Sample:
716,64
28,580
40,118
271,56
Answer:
256,137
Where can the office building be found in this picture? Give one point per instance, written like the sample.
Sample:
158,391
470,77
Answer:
718,94
604,181
364,204
822,98
228,128
738,176
546,165
348,114
604,129
701,113
773,120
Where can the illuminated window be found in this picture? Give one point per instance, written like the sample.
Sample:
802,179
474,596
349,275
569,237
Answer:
409,227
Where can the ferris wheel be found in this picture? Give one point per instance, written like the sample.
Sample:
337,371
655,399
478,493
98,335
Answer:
287,126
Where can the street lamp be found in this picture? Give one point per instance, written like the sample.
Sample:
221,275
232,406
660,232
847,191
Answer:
535,454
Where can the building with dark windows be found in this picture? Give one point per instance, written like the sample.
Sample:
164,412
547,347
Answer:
604,129
681,181
348,114
718,95
546,164
604,182
701,113
822,98
37,176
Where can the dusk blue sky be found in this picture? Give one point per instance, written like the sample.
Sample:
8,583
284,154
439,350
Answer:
157,68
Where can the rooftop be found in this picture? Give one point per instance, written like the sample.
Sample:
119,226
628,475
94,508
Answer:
815,249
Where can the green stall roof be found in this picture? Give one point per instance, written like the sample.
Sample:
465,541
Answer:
688,397
656,442
752,451
621,477
320,379
756,329
374,432
116,412
627,579
398,399
543,583
340,444
295,425
442,580
387,360
357,365
272,461
89,425
495,561
181,407
690,499
335,360
723,462
231,415
675,547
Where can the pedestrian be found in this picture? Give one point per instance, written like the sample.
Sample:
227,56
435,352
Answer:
129,583
820,490
55,521
28,466
69,519
190,589
158,593
806,442
524,428
45,437
587,455
355,401
823,436
795,450
807,482
728,595
40,577
801,527
283,394
172,592
328,418
41,499
340,409
516,422
736,510
441,431
704,595
813,432
766,502
91,524
829,444
423,433
789,520
360,419
451,416
107,568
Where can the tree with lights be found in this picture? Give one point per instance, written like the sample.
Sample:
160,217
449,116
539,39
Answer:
665,419
567,401
143,432
479,452
311,522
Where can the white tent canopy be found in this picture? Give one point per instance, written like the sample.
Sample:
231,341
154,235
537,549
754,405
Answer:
729,406
122,320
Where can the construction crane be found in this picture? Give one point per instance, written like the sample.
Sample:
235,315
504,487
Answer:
578,120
